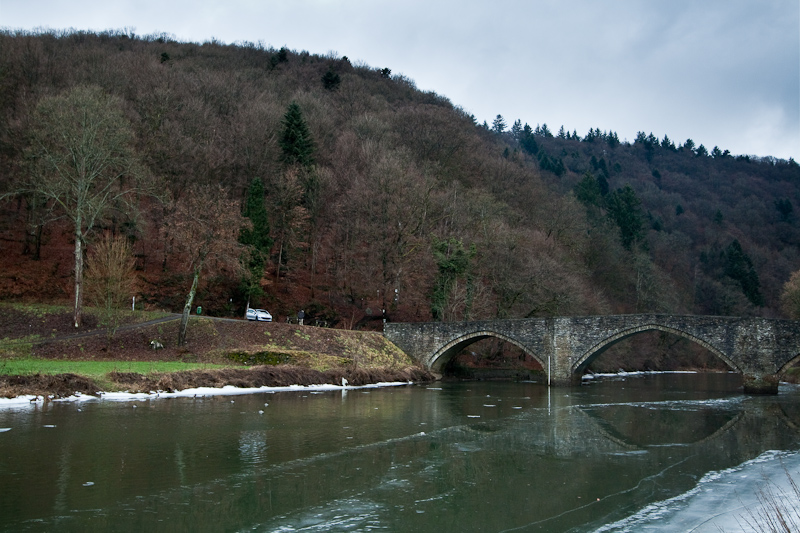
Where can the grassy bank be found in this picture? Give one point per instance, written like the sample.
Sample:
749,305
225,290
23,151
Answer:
96,368
41,353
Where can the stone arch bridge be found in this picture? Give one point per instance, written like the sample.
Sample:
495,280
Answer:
759,348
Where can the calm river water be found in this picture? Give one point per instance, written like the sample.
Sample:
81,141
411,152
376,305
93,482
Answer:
660,452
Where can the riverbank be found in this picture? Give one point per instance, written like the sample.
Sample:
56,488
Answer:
31,400
219,353
52,386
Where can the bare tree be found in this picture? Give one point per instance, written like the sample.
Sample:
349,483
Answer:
110,277
381,234
204,227
790,297
290,217
82,164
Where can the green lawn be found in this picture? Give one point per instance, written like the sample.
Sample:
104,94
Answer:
95,368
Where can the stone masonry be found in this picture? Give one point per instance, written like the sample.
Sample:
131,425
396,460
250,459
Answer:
758,348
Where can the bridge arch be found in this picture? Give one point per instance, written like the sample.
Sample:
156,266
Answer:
443,355
789,364
617,436
589,355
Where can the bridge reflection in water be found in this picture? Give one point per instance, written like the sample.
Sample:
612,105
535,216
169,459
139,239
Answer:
758,348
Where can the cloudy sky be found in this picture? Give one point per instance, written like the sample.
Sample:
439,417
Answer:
722,72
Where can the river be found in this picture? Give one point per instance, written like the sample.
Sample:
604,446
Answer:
664,452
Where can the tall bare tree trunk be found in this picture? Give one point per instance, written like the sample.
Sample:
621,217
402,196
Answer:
187,309
37,251
315,246
78,312
280,255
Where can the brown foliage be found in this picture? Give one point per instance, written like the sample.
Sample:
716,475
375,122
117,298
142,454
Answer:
790,297
395,165
110,273
203,226
81,165
59,385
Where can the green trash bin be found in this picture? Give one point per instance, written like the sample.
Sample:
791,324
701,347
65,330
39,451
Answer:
199,310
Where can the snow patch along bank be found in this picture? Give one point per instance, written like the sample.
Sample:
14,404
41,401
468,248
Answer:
228,390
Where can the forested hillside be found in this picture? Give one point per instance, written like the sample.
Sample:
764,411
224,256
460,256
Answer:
300,181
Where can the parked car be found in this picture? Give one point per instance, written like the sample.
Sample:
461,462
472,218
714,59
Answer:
261,315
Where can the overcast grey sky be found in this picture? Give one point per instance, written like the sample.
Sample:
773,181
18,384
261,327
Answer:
722,72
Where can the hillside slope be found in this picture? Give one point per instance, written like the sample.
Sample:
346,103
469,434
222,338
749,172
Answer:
399,205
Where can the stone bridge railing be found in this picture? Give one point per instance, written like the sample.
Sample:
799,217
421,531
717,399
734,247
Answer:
759,348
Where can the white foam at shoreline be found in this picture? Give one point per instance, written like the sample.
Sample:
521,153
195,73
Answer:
228,390
623,373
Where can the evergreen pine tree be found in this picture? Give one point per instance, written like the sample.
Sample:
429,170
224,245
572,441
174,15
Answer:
298,151
257,237
283,55
516,129
499,124
785,208
739,266
625,208
296,143
452,262
527,141
331,80
587,191
602,184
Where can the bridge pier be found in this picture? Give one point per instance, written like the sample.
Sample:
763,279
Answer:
573,380
767,384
